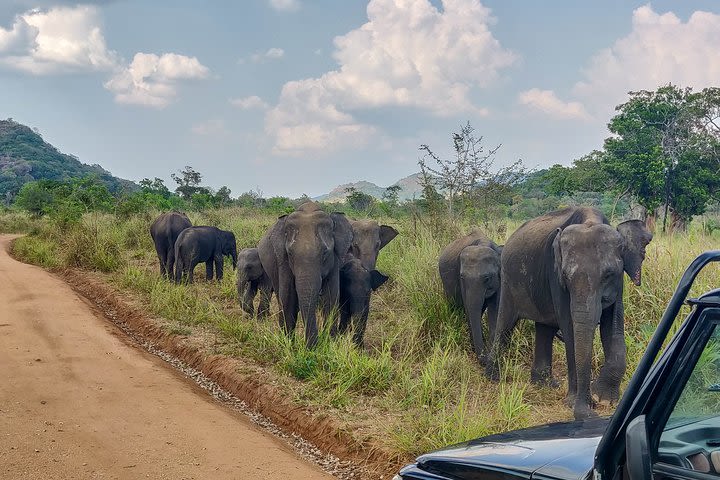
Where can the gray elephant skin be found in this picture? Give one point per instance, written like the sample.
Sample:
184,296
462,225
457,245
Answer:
368,239
203,244
164,232
470,273
251,280
356,286
302,254
564,271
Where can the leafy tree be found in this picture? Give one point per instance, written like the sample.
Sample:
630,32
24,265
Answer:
391,194
222,196
188,183
359,201
156,186
664,150
36,197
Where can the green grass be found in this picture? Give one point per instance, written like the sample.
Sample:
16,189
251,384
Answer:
416,386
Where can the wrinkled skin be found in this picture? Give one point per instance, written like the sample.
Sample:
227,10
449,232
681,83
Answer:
164,232
470,273
368,239
251,279
356,285
302,254
564,271
203,244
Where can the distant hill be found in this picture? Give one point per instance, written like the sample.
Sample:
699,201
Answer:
409,188
25,157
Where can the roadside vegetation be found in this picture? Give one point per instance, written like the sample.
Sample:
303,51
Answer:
416,385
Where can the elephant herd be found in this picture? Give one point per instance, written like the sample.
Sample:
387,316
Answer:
562,270
309,259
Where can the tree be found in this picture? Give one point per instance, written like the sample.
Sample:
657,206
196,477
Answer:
188,183
470,166
222,196
36,197
357,200
156,186
391,194
664,150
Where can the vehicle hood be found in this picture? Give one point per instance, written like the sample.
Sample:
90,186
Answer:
558,451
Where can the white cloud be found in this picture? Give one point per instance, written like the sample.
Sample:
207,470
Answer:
271,54
547,102
213,127
249,103
58,40
408,54
285,5
151,80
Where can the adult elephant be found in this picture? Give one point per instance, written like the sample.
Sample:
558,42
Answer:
204,244
164,232
564,271
368,239
470,273
302,253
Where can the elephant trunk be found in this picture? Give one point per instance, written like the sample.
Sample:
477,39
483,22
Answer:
308,292
474,303
585,312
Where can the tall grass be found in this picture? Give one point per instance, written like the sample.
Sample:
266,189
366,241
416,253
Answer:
416,385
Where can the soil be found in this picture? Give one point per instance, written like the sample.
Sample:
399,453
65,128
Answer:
79,399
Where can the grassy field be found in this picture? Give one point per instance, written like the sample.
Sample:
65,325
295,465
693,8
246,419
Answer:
416,386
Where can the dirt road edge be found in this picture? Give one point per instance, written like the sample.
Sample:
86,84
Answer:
265,399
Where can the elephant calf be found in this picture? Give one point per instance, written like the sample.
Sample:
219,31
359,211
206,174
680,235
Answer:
470,273
368,239
251,279
356,285
203,244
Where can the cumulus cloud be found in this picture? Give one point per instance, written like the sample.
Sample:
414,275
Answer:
249,103
661,48
152,80
285,5
547,102
408,54
58,40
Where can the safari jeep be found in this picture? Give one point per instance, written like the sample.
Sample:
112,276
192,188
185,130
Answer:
666,426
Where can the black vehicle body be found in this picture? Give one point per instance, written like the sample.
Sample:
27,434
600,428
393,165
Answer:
624,446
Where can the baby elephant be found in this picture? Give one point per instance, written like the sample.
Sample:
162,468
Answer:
356,285
470,274
203,244
251,279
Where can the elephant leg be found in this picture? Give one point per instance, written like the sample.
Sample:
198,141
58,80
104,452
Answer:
506,321
179,267
343,323
191,270
492,315
612,335
541,373
209,270
170,262
162,257
219,265
249,289
583,338
265,296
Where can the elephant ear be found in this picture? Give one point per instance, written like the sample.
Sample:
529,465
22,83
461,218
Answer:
387,233
636,237
377,279
343,234
557,255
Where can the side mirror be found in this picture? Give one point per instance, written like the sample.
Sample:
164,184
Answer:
637,452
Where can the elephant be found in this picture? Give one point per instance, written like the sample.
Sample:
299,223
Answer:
251,279
356,285
203,244
164,231
368,239
563,270
302,254
470,274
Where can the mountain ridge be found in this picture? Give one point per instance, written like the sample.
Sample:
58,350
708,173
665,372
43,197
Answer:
409,188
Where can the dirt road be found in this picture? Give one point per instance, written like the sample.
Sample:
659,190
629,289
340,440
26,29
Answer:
77,400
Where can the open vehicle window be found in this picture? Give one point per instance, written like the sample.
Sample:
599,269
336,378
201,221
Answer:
691,436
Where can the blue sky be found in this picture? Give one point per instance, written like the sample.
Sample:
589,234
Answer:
298,96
